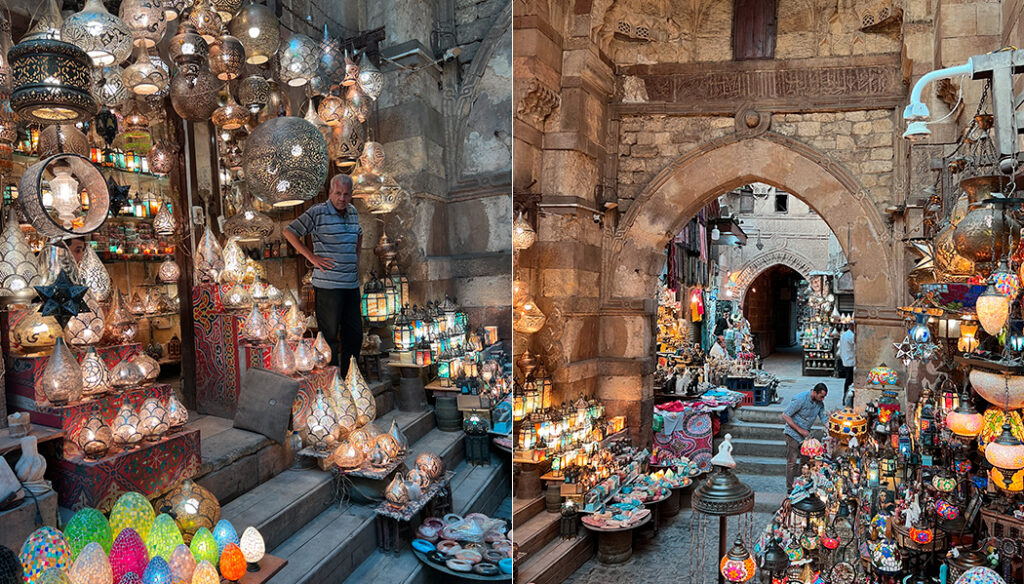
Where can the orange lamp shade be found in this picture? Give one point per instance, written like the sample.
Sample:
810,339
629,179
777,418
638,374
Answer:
232,563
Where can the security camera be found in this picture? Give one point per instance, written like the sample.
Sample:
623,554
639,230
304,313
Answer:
597,217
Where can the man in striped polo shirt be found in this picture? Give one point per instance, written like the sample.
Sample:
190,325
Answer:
337,239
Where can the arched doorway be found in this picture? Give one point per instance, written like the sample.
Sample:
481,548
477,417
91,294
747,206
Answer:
769,305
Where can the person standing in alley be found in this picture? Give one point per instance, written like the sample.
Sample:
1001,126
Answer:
848,356
337,239
799,416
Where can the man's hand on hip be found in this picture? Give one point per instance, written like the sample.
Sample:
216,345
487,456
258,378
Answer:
321,262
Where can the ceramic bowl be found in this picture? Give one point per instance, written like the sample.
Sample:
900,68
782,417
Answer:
448,546
471,556
459,565
506,565
474,545
423,545
427,532
478,517
494,556
437,557
486,569
452,518
503,546
434,523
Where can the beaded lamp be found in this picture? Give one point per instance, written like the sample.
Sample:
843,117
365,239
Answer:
128,554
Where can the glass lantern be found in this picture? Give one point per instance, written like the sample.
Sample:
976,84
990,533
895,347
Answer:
126,427
404,335
282,358
61,381
374,302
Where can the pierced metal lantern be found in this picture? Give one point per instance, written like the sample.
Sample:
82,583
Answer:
108,86
188,50
227,57
148,75
52,81
374,302
298,58
146,21
253,92
103,36
226,9
332,61
230,116
86,178
195,100
371,80
248,224
257,27
285,161
18,268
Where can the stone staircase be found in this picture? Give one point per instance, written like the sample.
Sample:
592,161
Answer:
547,559
294,510
760,452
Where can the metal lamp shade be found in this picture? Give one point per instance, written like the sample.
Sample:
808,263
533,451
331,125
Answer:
285,161
195,100
103,36
299,57
253,92
256,26
227,57
52,82
248,224
723,494
89,179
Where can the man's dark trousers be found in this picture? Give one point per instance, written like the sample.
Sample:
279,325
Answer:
339,317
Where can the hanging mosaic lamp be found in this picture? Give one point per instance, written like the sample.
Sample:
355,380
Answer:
298,58
128,554
224,533
95,374
209,259
321,430
125,426
95,438
738,565
44,548
1005,281
230,116
148,75
157,572
18,268
253,92
980,575
146,21
227,57
257,27
51,78
205,573
993,309
193,508
965,421
371,80
204,549
177,413
53,576
182,564
188,50
163,538
282,358
285,161
1006,452
93,273
195,100
87,526
92,565
248,224
61,381
523,234
85,329
103,36
362,396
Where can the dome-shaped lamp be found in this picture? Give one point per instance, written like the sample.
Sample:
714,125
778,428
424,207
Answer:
253,92
993,309
1006,453
148,75
298,57
738,565
227,57
965,421
523,234
103,36
146,21
285,161
257,28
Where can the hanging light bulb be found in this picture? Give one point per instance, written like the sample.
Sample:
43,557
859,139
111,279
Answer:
254,92
66,200
1006,453
230,116
993,309
528,318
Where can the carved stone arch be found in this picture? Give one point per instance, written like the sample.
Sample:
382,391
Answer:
460,106
764,262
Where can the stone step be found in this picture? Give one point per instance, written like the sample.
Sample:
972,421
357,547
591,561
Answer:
334,543
756,447
769,490
524,509
537,532
558,560
473,491
283,504
754,430
768,414
757,465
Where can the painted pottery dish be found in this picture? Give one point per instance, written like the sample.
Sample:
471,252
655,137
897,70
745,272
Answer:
459,565
486,569
448,547
471,556
437,557
423,545
506,565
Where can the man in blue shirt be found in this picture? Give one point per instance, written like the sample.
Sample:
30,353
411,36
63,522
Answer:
337,238
799,416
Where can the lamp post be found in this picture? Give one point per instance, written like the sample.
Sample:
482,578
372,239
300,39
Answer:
722,495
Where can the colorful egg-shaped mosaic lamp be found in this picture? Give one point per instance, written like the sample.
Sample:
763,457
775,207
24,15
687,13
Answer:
182,563
232,563
205,573
45,548
164,537
132,510
204,547
253,547
224,533
88,525
92,566
128,554
157,572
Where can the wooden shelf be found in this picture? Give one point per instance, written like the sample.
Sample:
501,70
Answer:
42,434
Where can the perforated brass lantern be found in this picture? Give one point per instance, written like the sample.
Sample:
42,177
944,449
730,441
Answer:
188,50
177,414
95,438
209,261
344,408
362,397
256,26
61,138
331,110
108,86
282,358
299,58
146,21
255,329
86,328
52,80
36,333
195,99
152,419
31,189
120,327
148,75
61,381
192,508
18,268
248,224
371,80
304,357
95,374
285,161
103,36
230,116
150,368
227,57
253,92
347,456
93,273
528,318
126,427
321,428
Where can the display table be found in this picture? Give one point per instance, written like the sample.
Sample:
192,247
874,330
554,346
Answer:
615,546
390,519
655,507
269,567
670,507
452,575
